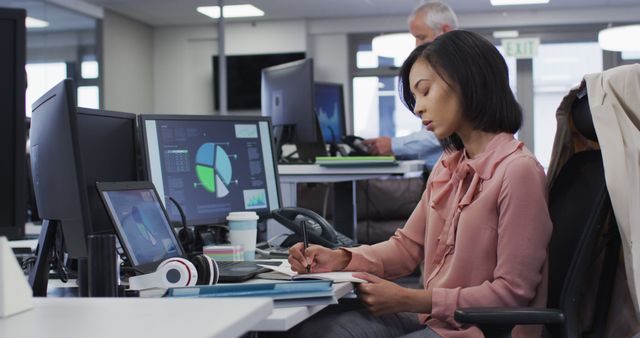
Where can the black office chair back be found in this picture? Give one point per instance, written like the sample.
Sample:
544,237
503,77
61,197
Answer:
579,206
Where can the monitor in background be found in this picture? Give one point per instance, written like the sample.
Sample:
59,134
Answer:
71,149
330,110
288,97
13,179
211,165
243,78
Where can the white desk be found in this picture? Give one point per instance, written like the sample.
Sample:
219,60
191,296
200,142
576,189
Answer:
345,218
136,317
285,318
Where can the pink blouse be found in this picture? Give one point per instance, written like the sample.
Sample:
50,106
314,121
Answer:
481,230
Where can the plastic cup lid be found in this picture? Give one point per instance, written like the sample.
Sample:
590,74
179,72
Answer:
242,216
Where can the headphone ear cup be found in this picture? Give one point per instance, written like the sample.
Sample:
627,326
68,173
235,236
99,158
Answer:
172,272
187,238
208,271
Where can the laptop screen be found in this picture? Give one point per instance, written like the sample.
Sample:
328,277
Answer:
143,227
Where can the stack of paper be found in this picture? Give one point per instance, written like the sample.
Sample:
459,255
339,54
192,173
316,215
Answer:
224,252
283,294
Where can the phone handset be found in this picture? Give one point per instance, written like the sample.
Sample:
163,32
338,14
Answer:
318,229
355,143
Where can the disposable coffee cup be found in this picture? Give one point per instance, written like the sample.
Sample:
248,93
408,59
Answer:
243,230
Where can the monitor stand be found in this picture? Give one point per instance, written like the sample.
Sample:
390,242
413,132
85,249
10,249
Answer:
39,274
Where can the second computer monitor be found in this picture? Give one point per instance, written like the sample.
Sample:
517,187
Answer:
330,110
287,96
211,165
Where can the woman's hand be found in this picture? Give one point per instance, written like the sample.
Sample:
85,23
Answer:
381,296
318,258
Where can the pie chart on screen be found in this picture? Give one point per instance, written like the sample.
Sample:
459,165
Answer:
213,168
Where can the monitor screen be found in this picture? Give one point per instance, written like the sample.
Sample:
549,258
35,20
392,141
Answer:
13,167
330,111
211,165
142,225
288,97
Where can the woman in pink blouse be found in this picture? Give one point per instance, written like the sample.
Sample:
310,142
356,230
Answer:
482,226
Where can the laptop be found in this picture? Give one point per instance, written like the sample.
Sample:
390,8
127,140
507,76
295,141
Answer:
146,235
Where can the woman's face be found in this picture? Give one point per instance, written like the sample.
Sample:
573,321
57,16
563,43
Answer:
437,104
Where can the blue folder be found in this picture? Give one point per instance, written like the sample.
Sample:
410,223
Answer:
286,290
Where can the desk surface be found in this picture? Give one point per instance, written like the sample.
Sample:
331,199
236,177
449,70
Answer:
136,317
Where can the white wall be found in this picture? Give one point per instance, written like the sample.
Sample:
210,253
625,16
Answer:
183,59
127,64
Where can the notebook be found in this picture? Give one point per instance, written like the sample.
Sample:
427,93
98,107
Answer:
146,234
284,272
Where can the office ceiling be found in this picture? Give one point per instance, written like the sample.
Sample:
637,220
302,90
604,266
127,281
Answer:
182,12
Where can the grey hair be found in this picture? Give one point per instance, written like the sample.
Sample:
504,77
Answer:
438,15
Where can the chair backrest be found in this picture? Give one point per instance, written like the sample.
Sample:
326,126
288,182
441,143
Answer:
579,206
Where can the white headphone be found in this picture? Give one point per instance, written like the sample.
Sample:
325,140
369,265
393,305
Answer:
172,272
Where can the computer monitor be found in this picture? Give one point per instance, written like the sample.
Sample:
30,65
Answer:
330,110
71,149
288,97
13,181
211,165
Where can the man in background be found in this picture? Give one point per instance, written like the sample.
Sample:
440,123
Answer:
426,22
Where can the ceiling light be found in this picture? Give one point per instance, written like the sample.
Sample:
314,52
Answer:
505,34
517,2
622,38
398,45
231,11
36,23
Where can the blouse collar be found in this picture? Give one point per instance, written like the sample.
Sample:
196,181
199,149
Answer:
485,163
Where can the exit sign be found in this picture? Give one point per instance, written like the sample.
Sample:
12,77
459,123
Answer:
524,48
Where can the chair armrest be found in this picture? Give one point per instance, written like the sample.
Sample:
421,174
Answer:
509,316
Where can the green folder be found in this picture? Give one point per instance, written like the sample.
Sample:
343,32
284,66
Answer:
356,161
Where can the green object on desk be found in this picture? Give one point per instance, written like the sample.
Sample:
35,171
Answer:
356,161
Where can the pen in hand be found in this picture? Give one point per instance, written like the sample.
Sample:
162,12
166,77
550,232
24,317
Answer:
305,239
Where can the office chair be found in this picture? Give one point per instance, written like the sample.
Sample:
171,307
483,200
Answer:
584,226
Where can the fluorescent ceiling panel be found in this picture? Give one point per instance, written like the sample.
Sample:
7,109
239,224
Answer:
517,2
231,11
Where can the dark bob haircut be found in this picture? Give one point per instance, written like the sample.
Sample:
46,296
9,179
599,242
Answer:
469,63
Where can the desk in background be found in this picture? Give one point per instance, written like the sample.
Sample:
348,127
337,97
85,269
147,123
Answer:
345,218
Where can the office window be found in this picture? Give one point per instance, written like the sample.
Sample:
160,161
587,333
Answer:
377,109
89,69
557,68
630,55
89,97
66,48
40,78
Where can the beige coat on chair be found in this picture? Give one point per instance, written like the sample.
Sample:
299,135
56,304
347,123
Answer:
614,99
